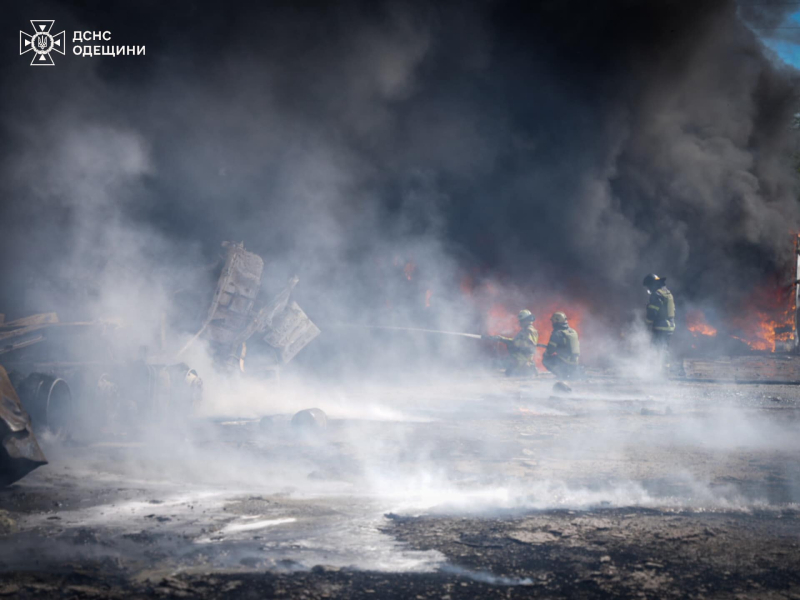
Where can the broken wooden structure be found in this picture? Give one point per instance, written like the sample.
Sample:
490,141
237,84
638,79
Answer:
241,314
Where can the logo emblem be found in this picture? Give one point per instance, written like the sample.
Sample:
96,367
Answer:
42,42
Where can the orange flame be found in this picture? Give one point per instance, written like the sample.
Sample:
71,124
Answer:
768,318
501,320
697,324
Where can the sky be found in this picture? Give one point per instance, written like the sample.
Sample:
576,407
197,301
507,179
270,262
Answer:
787,50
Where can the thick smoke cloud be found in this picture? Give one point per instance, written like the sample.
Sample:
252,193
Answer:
571,146
559,148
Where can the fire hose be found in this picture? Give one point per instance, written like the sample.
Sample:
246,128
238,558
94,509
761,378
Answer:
477,336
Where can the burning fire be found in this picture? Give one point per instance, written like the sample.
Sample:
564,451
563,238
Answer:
767,319
501,321
501,312
765,322
761,332
697,324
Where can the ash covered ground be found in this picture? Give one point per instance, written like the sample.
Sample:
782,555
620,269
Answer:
473,487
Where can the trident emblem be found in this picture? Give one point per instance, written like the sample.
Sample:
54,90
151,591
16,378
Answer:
42,43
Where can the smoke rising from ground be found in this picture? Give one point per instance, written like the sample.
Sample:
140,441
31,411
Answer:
572,146
387,153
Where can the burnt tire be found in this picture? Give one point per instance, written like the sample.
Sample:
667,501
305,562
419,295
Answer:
48,400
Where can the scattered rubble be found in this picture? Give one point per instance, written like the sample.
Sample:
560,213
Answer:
71,385
559,387
759,368
19,450
625,553
310,420
190,533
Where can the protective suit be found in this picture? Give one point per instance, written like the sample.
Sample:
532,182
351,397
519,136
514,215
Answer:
563,351
660,317
522,347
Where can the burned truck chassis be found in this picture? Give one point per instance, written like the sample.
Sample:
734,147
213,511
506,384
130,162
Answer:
82,398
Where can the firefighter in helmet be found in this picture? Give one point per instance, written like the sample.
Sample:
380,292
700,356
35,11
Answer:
563,351
522,347
660,317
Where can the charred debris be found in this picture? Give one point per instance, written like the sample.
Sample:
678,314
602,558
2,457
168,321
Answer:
63,376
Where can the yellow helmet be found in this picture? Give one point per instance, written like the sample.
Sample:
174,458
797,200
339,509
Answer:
525,315
558,318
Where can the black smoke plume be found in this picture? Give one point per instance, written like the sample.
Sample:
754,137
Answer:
565,145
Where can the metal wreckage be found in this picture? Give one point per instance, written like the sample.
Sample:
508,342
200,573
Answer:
62,377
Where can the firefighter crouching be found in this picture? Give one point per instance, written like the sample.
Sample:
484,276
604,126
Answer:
660,316
522,347
563,351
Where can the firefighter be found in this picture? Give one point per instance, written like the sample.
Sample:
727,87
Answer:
563,351
660,317
522,347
